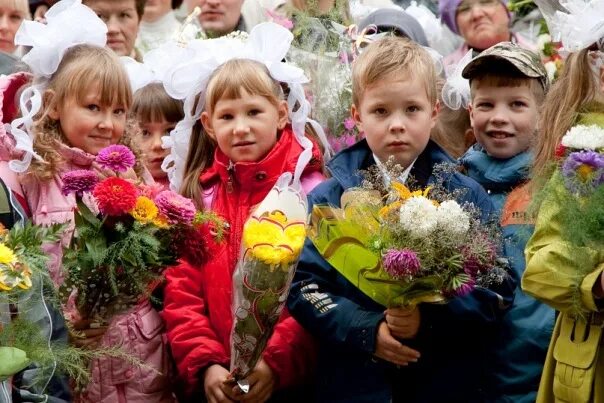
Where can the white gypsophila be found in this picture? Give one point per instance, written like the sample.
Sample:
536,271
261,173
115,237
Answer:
551,69
584,137
452,218
419,216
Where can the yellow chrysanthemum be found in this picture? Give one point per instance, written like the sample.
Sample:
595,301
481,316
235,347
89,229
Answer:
161,221
386,210
274,241
15,275
144,210
404,192
6,254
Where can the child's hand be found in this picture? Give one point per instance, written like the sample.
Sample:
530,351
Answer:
262,383
390,349
214,384
403,322
86,334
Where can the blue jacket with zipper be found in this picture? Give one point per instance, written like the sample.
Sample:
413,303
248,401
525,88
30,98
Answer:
521,346
452,337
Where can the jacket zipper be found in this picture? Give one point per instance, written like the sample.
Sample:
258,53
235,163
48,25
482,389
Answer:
231,172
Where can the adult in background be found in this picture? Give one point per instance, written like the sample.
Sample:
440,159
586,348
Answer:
158,24
12,13
221,17
123,18
481,23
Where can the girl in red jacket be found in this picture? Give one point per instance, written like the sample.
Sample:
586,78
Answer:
246,144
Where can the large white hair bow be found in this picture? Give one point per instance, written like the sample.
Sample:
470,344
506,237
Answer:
68,23
268,43
576,23
456,91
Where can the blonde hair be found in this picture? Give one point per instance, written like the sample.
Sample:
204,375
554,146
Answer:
229,81
20,5
393,58
153,104
571,93
83,67
451,128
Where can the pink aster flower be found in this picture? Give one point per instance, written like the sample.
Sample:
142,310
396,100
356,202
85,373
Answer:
349,123
116,157
176,208
399,263
464,288
78,181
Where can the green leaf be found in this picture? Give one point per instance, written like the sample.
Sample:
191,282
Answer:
12,360
88,215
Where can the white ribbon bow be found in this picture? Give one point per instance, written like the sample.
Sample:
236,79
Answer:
68,23
268,43
456,91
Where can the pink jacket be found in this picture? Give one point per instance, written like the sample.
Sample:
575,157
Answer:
138,332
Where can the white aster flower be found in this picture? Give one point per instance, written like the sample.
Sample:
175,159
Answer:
543,40
551,69
584,137
419,216
452,218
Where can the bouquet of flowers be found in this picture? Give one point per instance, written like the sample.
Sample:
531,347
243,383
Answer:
272,240
126,234
403,247
577,185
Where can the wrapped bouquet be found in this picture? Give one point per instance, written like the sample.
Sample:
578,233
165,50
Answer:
272,240
126,234
403,247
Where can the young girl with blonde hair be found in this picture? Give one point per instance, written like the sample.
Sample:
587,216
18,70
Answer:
245,145
565,273
77,110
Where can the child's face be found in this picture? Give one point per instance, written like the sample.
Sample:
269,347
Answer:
152,132
397,117
89,125
504,119
245,129
10,20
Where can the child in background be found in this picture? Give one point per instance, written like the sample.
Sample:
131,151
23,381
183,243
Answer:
84,108
560,273
157,114
508,85
430,353
246,144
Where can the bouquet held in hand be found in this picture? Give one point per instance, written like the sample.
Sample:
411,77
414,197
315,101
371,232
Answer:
126,234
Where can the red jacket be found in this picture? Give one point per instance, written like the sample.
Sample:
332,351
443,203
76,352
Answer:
197,303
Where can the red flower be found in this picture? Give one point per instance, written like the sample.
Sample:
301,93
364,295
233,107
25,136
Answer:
115,196
560,151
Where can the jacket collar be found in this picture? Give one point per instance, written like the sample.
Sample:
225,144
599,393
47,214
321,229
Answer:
345,165
493,174
75,156
252,175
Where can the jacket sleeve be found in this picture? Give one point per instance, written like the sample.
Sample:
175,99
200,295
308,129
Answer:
192,339
290,352
558,273
321,306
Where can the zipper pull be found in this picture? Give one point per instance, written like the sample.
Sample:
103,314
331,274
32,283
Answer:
231,171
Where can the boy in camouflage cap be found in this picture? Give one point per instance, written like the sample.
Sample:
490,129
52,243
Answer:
508,85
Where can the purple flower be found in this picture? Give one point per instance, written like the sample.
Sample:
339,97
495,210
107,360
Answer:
399,263
583,171
464,288
349,123
478,257
116,157
176,208
78,181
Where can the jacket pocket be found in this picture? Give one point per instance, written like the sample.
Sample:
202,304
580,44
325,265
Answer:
575,353
151,347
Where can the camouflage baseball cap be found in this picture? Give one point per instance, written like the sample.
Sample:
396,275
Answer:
523,60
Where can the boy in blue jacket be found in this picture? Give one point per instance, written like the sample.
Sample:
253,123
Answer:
508,85
435,352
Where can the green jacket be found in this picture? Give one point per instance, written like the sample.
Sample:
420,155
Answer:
562,275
